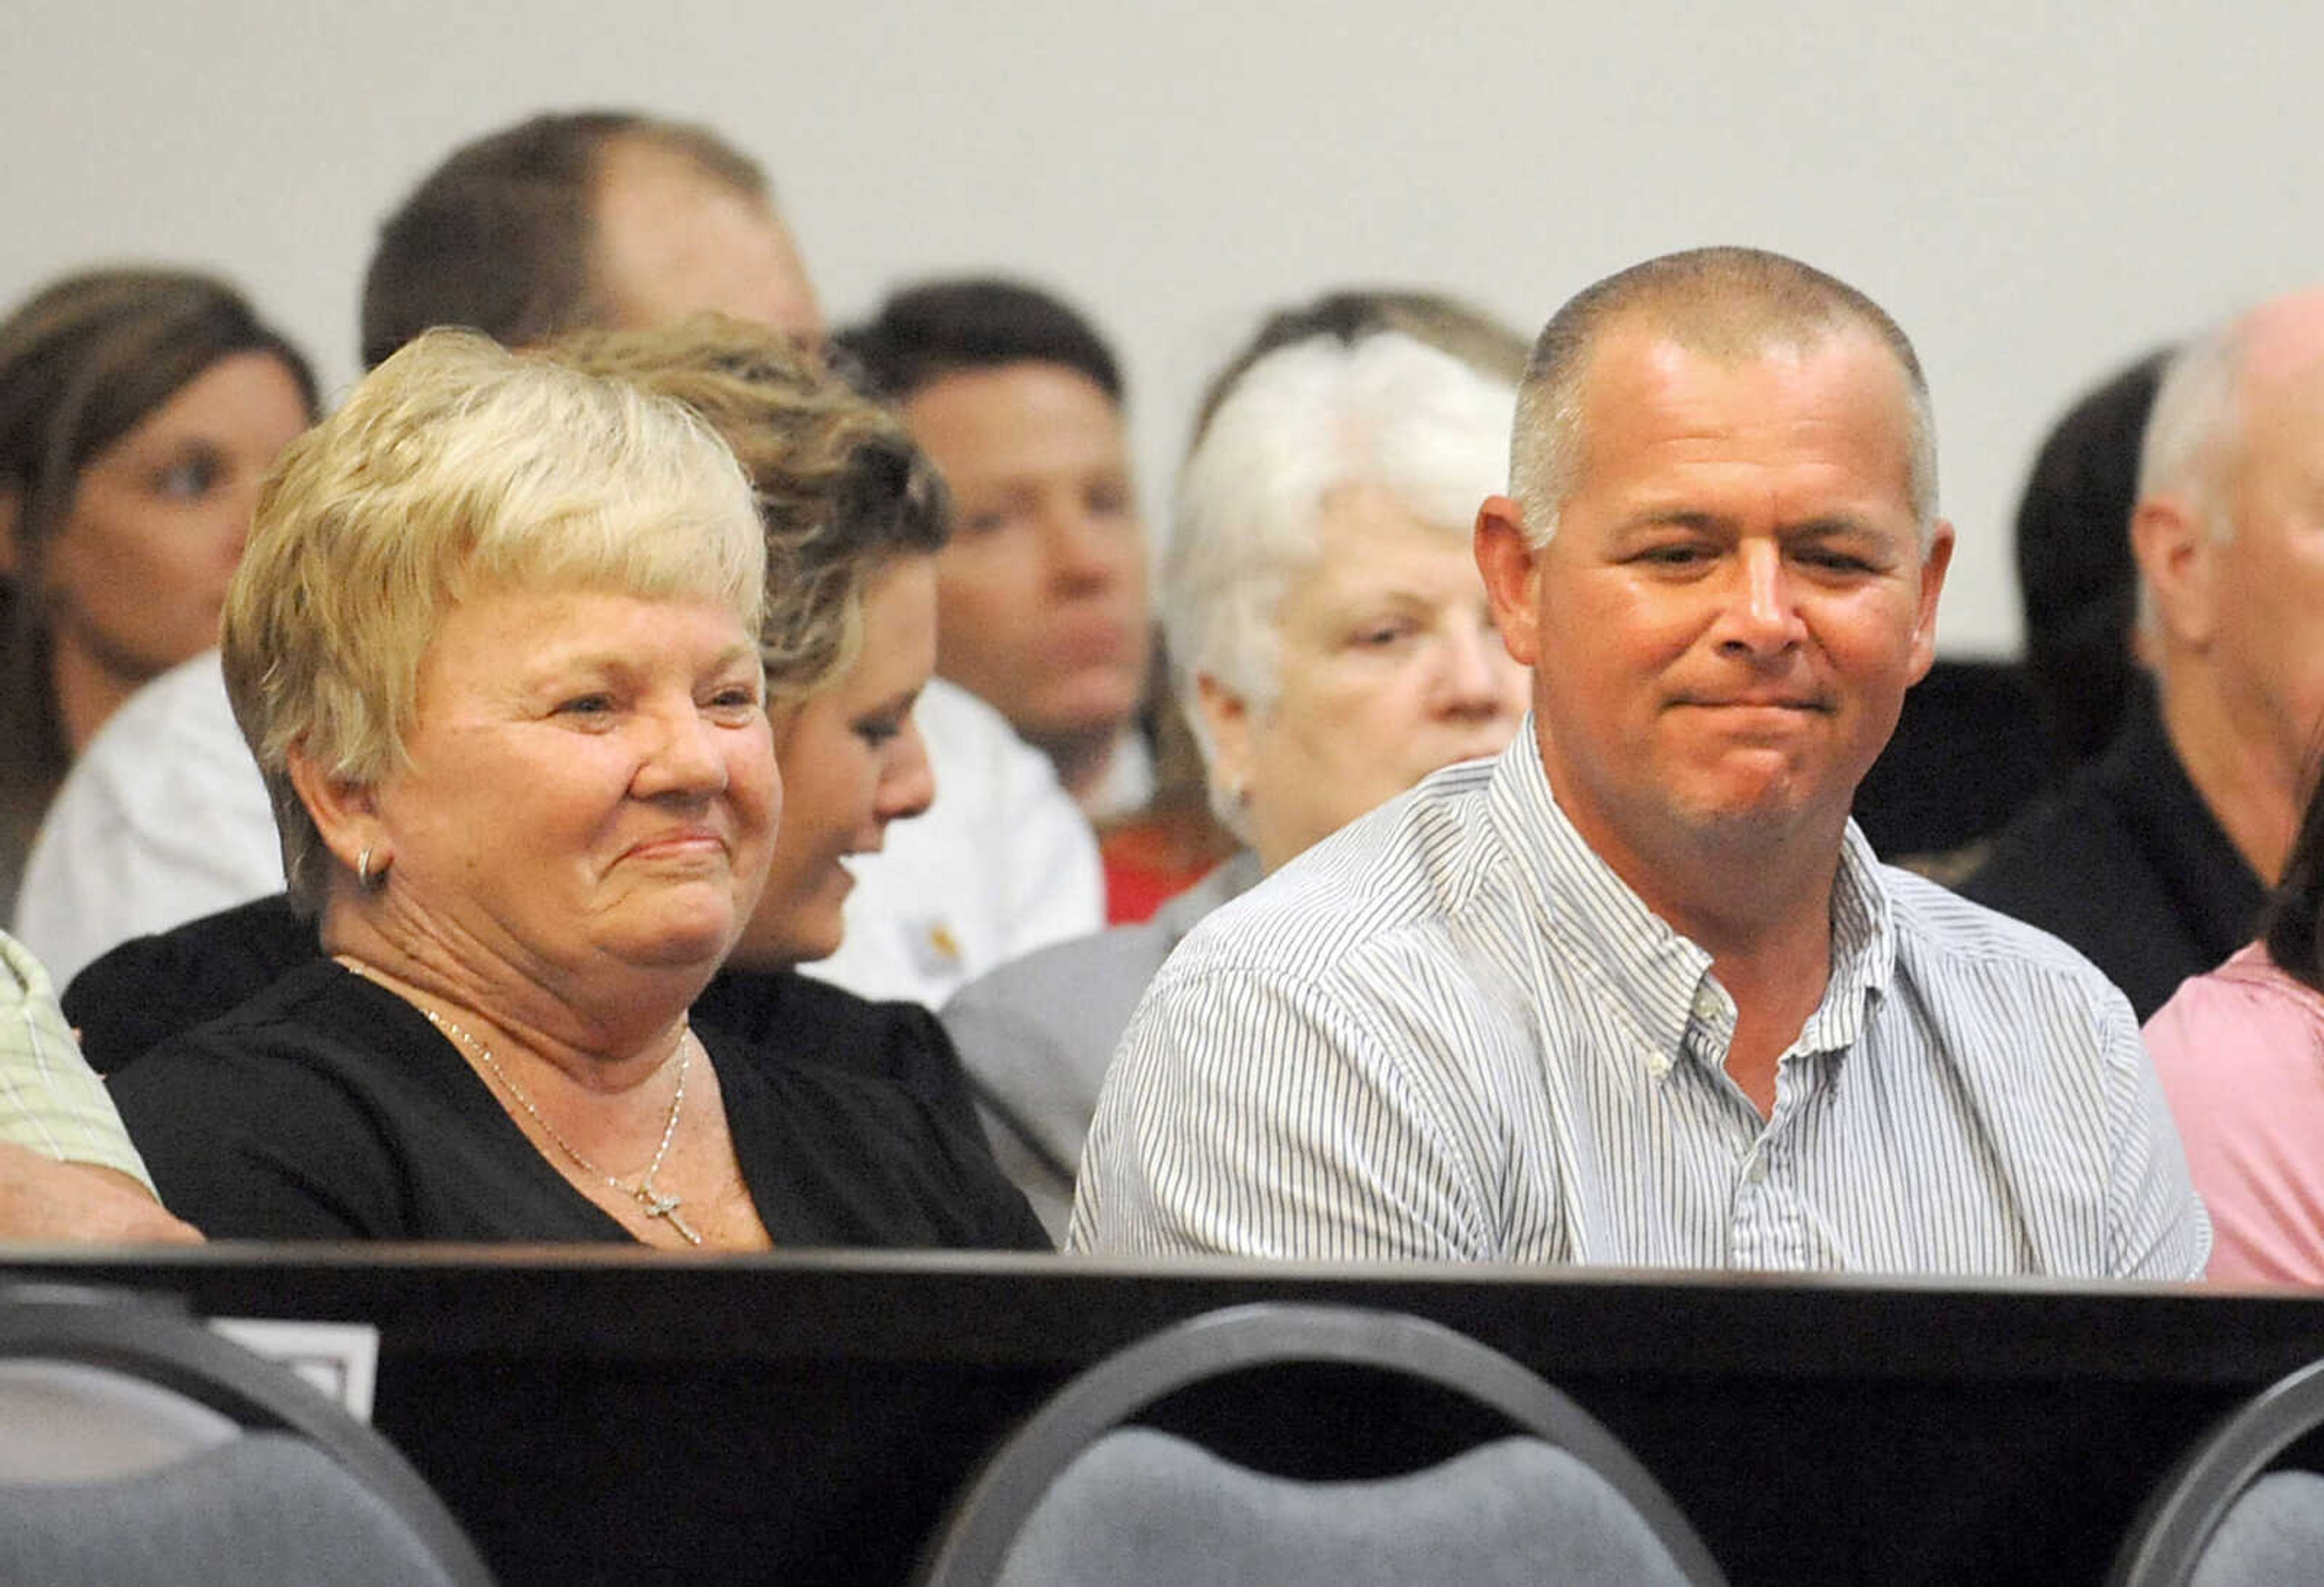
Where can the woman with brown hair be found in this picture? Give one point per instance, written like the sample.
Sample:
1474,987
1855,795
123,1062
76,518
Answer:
138,410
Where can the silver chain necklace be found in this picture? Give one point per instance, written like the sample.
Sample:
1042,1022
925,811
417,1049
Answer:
658,1204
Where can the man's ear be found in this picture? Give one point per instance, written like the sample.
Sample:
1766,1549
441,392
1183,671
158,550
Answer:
1226,723
345,813
2178,568
1934,564
1509,563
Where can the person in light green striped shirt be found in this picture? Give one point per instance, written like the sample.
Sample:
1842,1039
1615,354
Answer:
68,1170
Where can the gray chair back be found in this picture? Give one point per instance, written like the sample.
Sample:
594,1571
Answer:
184,1457
2221,1517
1074,1496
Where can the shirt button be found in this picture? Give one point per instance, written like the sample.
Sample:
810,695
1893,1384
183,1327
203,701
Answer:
1706,1006
1757,1170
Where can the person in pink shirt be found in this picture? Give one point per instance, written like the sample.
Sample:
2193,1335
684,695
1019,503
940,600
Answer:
2241,1054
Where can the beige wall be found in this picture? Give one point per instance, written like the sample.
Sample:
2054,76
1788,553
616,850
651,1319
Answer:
2036,191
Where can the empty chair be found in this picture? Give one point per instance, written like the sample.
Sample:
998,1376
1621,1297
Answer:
141,1448
1545,1495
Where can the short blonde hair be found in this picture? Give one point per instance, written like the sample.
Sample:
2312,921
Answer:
840,485
456,470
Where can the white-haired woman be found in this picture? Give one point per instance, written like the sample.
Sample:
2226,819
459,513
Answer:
1328,628
496,645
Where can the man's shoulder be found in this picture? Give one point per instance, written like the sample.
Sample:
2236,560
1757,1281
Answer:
972,744
2127,863
1397,882
2057,856
1049,985
1949,943
1050,981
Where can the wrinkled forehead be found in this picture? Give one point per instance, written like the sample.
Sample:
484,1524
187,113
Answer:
1740,342
1735,374
1654,374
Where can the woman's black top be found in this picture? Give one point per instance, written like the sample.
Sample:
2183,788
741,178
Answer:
327,1108
150,989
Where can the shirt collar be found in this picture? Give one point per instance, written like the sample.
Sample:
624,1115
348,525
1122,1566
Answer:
1863,949
21,976
1662,979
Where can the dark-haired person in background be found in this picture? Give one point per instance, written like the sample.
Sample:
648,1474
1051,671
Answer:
2076,577
138,410
1042,600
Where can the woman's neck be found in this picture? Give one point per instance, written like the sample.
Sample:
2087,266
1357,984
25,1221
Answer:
606,1048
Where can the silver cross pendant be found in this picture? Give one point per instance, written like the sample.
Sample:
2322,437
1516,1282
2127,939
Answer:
659,1205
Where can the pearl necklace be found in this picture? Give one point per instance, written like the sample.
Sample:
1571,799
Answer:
658,1204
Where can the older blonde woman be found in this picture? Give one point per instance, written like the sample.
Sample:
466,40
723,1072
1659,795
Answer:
496,644
1329,635
854,514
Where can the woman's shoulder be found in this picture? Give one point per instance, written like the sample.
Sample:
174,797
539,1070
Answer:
798,1016
292,1116
320,1004
2248,1007
844,1156
149,989
785,1018
317,1032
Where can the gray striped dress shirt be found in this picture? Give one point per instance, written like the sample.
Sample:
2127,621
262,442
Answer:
1451,1031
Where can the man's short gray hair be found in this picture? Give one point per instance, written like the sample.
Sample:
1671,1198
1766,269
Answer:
2193,427
1725,303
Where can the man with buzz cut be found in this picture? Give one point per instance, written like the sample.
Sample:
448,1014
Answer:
1636,991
